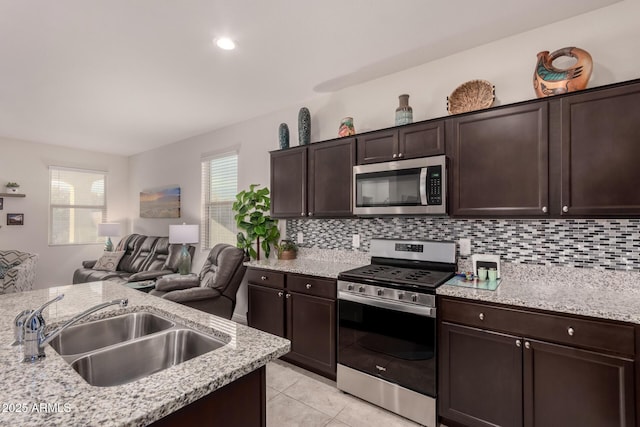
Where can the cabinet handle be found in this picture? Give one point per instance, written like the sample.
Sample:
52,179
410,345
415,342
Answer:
571,331
565,209
527,345
518,343
394,155
308,285
263,277
280,294
544,209
400,155
481,316
287,295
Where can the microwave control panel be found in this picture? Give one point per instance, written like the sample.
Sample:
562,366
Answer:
434,185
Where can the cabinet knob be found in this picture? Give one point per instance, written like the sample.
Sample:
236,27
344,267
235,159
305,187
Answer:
518,343
527,345
400,155
310,214
394,155
287,295
263,277
481,316
565,209
301,213
280,294
544,209
308,286
571,331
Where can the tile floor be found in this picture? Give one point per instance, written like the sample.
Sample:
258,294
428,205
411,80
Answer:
296,397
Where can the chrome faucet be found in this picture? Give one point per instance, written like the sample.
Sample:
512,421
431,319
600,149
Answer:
34,337
20,320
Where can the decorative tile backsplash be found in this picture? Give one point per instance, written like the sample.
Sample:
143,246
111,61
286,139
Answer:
612,244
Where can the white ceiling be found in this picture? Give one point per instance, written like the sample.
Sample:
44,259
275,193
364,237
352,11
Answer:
126,76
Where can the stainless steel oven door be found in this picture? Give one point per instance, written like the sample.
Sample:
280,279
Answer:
384,340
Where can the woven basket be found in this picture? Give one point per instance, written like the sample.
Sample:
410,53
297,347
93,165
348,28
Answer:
470,96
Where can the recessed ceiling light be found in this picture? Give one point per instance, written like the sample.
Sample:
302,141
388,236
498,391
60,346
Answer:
225,43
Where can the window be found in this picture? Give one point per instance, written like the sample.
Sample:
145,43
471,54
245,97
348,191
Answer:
77,204
219,189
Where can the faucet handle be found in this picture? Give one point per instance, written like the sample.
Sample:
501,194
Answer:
18,326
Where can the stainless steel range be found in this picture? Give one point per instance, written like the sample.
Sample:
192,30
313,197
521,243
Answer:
387,326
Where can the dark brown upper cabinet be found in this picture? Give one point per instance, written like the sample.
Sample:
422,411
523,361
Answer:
600,152
313,181
406,142
499,164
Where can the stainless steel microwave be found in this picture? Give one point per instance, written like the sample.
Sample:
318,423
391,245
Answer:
403,187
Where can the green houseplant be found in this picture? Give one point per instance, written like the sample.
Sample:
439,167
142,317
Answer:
12,187
252,215
287,249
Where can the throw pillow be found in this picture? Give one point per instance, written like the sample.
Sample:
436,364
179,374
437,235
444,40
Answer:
108,261
6,267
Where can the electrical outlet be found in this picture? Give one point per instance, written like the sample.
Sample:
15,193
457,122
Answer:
355,241
465,247
300,237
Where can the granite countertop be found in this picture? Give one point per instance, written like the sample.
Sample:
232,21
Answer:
605,294
72,401
312,262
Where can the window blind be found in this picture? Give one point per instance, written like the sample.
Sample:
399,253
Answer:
219,189
77,204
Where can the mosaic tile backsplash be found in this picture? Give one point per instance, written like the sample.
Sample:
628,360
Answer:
612,244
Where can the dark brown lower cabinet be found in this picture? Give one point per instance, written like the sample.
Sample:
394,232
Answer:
495,378
300,308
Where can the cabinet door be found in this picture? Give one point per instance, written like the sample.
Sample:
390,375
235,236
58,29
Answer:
289,183
311,327
500,163
266,309
480,377
600,152
421,140
568,387
330,178
378,147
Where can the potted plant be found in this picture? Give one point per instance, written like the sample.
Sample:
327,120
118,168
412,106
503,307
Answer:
287,249
12,187
252,207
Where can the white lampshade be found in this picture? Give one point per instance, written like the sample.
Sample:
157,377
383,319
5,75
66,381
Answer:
108,229
183,233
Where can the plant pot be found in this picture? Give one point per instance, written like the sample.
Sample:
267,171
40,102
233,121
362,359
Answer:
287,255
13,190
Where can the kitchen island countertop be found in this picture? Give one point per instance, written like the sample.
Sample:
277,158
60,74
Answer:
50,392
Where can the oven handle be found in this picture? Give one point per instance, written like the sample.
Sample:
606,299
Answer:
420,310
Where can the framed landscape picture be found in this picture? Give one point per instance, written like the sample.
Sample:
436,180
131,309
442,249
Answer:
160,203
15,219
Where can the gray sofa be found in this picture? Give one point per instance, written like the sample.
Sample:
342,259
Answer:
214,289
18,269
145,258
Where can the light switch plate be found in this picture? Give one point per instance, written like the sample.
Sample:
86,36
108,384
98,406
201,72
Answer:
300,237
355,241
465,247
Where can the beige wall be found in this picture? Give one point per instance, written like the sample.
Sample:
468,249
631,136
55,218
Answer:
28,164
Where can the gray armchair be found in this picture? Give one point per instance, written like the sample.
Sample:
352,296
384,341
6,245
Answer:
214,289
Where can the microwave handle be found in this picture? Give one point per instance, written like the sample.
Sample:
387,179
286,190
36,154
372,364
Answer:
423,187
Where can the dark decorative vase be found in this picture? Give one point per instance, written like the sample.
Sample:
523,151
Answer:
404,113
283,135
304,126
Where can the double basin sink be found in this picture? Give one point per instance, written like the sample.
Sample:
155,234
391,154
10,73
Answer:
128,347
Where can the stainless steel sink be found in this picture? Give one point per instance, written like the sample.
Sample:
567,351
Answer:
137,359
102,333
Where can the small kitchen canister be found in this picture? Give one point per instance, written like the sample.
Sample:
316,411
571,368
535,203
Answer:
404,113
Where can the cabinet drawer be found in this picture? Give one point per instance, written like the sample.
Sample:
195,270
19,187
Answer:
312,286
576,332
265,277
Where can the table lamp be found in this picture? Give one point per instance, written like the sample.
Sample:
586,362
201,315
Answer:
108,229
183,234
